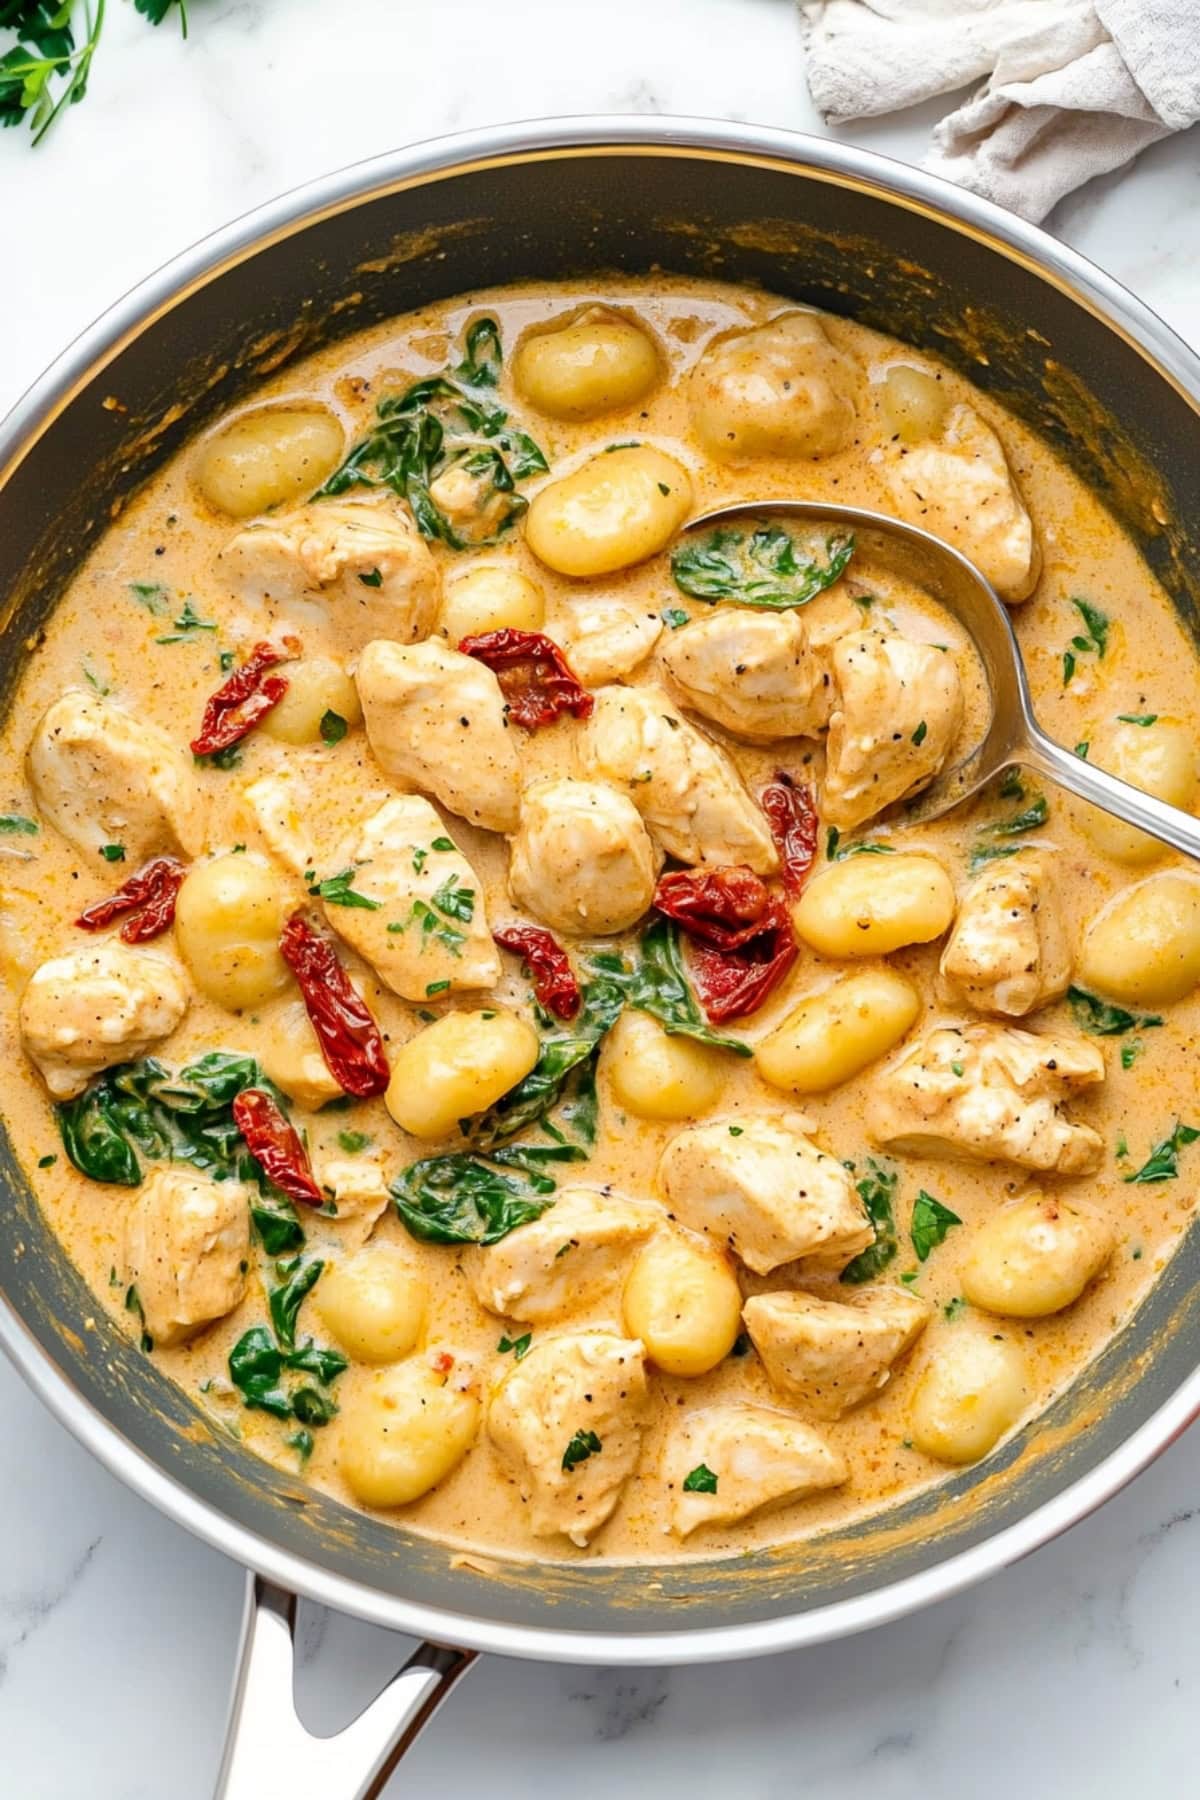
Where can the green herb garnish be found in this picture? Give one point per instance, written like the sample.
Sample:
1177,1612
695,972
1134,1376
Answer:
333,727
519,1346
337,890
930,1223
187,626
877,1191
1162,1164
581,1446
700,1480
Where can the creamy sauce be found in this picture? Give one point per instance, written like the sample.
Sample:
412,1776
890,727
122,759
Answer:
101,637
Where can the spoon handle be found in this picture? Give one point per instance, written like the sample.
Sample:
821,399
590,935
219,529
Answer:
1081,778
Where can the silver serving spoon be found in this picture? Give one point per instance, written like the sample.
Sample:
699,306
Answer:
1014,735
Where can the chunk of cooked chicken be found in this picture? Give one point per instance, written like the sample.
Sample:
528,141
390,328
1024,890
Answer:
768,1193
356,569
277,802
358,1187
96,1007
428,922
897,707
564,1260
989,1092
781,389
691,798
1008,952
582,860
103,777
750,671
187,1248
568,1421
829,1355
758,1458
605,640
436,720
959,486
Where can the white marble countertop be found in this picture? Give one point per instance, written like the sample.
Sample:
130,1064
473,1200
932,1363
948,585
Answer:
1074,1673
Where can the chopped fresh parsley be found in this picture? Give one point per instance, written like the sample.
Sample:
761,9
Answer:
988,849
877,1191
1138,718
420,857
700,1480
436,987
17,825
47,1162
113,852
337,890
187,626
373,578
152,595
442,843
674,616
1082,748
333,727
930,1223
581,1446
920,734
1092,640
1130,1052
519,1346
1162,1164
454,901
955,1308
354,1141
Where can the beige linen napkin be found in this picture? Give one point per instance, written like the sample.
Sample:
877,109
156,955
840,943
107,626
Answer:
1071,88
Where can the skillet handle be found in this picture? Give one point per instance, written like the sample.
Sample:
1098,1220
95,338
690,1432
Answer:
267,1748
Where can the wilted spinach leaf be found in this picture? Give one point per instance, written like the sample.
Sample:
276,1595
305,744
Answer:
445,424
657,984
763,568
460,1200
1101,1018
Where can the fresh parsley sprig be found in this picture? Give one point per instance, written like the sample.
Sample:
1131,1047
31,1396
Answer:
49,61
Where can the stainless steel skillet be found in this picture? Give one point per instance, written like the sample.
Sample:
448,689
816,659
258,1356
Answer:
1083,362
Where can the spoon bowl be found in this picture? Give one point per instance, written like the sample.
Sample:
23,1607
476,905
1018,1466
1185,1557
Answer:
1013,735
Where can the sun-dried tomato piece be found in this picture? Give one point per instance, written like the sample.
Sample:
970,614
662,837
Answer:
148,898
535,677
275,1146
554,980
731,983
244,700
721,907
794,825
740,938
350,1039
